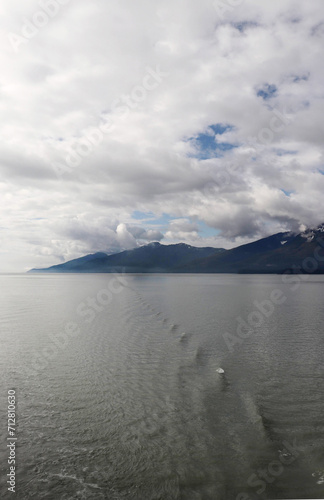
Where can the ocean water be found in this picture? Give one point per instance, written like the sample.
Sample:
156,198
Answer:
163,387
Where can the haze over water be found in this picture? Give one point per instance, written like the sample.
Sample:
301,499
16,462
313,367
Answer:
133,407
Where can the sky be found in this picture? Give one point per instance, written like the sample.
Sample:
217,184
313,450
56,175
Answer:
128,122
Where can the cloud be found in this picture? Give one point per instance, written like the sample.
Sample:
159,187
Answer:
104,235
155,79
182,229
142,234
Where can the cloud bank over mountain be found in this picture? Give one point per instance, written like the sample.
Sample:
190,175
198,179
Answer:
129,122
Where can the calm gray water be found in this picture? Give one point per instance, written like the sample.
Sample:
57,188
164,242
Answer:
129,403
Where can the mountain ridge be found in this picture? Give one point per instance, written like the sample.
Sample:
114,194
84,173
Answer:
153,257
276,254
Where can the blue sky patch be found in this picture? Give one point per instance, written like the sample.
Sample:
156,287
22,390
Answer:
141,215
149,218
208,145
206,231
267,91
287,193
220,128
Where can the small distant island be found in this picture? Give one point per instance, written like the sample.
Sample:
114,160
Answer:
276,254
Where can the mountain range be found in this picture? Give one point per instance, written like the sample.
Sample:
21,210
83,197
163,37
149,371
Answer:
282,252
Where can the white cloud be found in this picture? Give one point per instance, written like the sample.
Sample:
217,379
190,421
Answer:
91,58
182,229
